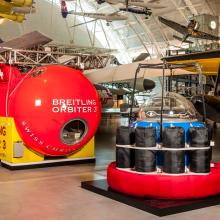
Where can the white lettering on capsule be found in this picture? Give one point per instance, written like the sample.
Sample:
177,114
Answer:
74,106
31,133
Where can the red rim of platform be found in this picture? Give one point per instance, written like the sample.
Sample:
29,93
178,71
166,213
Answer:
164,186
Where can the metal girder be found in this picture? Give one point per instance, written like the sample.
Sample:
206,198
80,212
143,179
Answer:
71,49
149,35
40,58
133,35
210,6
189,4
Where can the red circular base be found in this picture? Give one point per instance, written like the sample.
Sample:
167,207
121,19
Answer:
165,186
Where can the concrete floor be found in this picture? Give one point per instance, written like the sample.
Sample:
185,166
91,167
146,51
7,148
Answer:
55,193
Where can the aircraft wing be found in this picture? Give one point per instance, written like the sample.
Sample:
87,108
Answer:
208,60
127,71
177,27
206,36
26,41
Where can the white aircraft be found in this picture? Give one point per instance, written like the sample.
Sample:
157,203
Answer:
109,17
135,6
103,16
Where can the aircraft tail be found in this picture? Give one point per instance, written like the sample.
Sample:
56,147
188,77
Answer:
180,39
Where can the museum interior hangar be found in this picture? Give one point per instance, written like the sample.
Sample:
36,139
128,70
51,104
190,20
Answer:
109,109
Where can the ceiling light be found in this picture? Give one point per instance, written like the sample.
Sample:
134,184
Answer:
213,25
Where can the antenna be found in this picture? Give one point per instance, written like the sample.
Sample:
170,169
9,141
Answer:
162,99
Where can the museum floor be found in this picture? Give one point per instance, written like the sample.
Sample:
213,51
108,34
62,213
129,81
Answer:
55,193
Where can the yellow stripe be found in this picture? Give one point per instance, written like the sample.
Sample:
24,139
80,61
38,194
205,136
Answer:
22,2
209,66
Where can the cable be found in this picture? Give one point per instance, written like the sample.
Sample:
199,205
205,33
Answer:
8,88
198,67
21,81
133,94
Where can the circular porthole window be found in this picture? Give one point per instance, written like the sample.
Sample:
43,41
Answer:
73,131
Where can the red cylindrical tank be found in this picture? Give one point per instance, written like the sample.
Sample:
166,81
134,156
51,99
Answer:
55,108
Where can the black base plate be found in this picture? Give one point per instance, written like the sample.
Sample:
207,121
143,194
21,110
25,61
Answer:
50,163
154,206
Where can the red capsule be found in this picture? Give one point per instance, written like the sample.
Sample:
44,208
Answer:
56,110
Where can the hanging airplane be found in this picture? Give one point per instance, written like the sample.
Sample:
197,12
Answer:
191,30
135,6
64,11
109,17
15,10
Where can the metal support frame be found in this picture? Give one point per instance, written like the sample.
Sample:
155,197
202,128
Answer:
199,69
192,9
133,92
139,37
149,35
170,81
164,66
180,11
45,56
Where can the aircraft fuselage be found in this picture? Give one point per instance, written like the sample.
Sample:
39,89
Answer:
140,3
102,16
